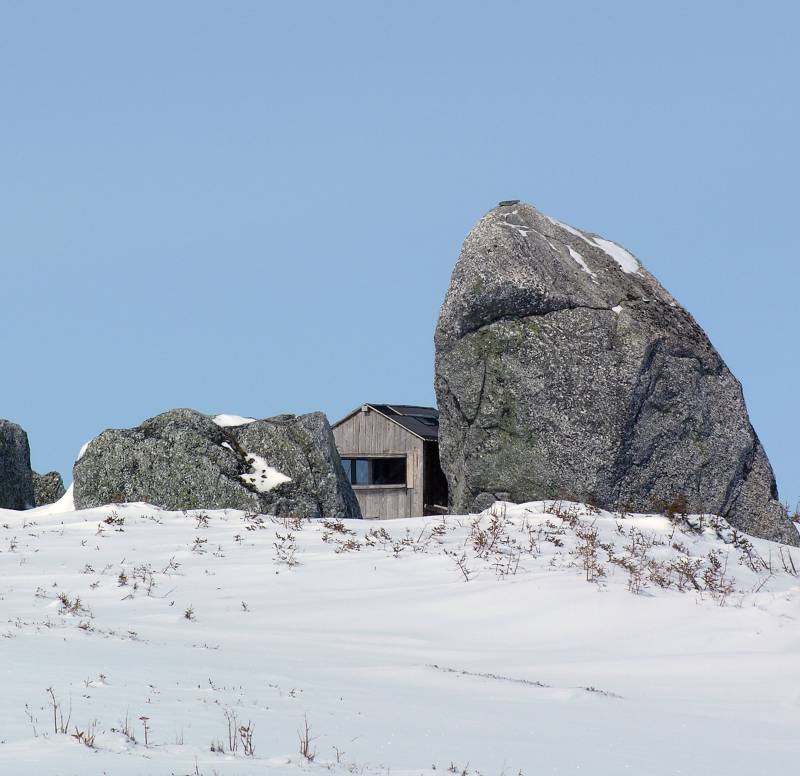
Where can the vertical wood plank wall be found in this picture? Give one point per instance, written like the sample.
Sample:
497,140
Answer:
370,433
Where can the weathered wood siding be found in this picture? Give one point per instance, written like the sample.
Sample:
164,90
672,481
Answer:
368,434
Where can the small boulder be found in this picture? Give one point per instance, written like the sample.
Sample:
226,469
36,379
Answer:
47,488
183,459
16,478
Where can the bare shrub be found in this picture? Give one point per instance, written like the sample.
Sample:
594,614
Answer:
337,526
686,571
233,728
485,540
202,521
376,536
675,509
438,531
461,563
254,521
86,737
171,567
787,561
305,738
246,737
568,513
198,545
60,723
71,606
293,521
586,551
748,555
126,729
635,560
285,549
507,564
717,582
348,545
113,518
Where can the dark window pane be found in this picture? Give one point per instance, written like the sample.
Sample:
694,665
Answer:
388,471
347,465
361,472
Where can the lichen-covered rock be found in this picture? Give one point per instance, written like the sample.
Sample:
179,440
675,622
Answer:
47,488
16,480
303,448
183,459
565,370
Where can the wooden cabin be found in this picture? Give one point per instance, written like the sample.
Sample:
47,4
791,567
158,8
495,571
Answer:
390,454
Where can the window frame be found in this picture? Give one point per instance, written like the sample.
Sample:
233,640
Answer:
369,457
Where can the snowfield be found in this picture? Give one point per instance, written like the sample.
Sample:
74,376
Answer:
545,638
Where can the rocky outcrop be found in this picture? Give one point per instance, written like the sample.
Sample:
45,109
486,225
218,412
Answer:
182,459
16,481
565,370
47,488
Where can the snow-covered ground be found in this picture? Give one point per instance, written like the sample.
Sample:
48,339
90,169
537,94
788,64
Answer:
541,639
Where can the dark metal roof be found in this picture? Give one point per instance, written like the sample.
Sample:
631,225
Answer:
422,421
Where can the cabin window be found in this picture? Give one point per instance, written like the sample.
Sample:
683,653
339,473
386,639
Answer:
375,471
360,472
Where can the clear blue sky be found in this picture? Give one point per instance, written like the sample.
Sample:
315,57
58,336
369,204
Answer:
255,207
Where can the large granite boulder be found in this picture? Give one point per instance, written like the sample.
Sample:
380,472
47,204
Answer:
47,488
16,480
565,370
182,459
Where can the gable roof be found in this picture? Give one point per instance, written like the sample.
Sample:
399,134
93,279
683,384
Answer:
420,421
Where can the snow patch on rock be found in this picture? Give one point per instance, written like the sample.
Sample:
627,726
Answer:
572,230
263,477
626,261
581,262
227,421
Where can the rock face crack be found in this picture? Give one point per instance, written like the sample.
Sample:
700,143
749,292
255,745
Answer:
543,314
